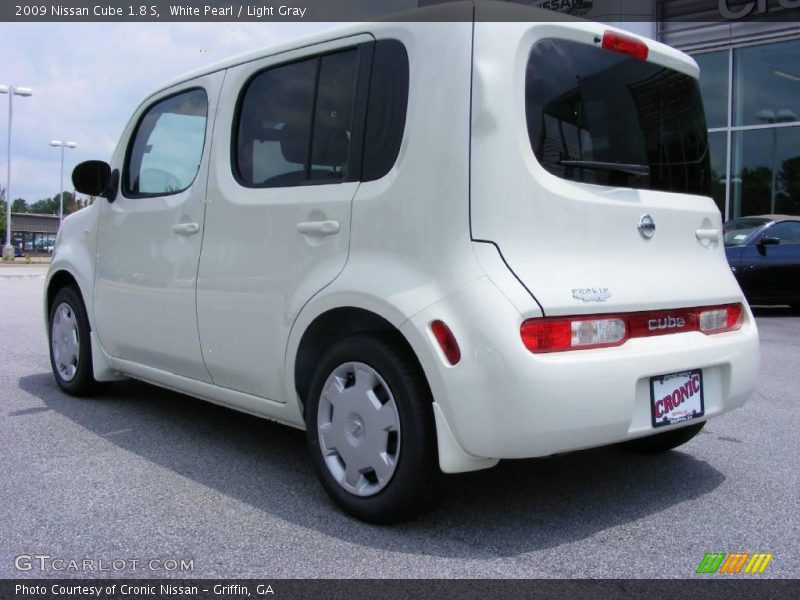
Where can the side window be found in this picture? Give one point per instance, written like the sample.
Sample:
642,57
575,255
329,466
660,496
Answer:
386,109
167,147
274,124
295,122
333,116
788,232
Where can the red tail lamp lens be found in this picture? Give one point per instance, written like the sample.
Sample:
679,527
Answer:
560,334
447,342
625,45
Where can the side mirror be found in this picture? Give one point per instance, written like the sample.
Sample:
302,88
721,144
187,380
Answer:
94,178
768,240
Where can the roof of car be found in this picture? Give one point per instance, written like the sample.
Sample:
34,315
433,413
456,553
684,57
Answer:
782,217
769,217
447,11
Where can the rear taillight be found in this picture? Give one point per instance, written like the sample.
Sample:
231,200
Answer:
716,320
558,335
604,331
623,44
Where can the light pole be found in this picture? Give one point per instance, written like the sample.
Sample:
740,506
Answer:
62,145
8,250
770,116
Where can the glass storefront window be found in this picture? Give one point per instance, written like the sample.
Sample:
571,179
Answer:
714,86
718,147
766,171
767,84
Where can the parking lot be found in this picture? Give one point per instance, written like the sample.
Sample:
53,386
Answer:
139,473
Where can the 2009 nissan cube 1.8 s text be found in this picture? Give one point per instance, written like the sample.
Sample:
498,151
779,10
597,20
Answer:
433,245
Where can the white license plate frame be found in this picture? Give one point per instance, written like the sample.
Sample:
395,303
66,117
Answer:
676,398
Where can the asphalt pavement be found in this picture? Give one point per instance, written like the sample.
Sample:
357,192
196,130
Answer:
140,474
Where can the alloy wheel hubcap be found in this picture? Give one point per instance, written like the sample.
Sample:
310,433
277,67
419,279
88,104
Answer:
65,341
359,429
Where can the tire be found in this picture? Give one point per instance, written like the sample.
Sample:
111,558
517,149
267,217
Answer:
663,442
70,346
392,429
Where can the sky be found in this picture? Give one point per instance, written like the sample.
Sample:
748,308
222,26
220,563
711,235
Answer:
88,78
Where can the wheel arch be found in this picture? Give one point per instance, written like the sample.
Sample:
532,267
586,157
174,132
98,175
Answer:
58,280
332,325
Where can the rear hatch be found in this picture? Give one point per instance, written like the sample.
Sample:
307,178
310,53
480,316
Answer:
590,169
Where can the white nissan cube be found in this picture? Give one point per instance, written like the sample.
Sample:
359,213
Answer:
433,243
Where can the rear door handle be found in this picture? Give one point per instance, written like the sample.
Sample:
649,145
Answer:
712,235
186,228
319,228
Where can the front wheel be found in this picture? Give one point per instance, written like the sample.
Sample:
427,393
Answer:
664,442
371,430
70,346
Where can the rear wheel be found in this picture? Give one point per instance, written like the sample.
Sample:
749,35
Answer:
371,431
663,442
70,346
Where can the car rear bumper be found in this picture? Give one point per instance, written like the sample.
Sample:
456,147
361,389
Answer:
502,402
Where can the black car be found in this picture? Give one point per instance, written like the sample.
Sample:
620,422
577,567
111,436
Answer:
764,254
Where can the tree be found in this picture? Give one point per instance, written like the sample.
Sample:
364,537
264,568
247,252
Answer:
20,205
45,206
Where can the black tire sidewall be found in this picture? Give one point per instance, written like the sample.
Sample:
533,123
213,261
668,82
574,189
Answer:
83,383
418,463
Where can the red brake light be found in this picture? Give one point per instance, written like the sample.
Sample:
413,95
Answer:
623,44
603,331
447,342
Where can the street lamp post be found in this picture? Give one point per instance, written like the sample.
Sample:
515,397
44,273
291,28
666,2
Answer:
62,145
8,250
770,116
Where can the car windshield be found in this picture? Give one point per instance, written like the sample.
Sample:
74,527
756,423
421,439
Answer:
739,231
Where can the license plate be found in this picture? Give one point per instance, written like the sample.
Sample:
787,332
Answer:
676,398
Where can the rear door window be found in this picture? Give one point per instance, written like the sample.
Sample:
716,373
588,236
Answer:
296,122
596,116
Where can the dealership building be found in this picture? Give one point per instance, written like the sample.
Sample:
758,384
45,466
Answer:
749,55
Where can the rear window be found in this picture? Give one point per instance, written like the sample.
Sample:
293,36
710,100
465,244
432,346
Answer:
601,117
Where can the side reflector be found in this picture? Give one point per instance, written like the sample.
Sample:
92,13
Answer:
447,342
625,45
604,331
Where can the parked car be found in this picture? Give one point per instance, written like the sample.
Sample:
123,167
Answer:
764,254
431,245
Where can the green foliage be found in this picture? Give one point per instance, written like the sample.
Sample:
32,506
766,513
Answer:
46,206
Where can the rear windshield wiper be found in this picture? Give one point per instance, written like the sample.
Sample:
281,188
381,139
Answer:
628,169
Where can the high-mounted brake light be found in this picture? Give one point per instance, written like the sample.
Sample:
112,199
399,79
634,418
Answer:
447,342
623,44
604,331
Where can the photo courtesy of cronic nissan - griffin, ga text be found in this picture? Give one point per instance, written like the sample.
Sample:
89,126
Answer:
435,243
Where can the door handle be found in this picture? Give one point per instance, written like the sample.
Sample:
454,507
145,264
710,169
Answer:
711,235
186,228
319,228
